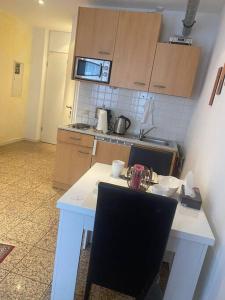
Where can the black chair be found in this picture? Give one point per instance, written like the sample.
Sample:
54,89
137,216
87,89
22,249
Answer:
130,236
159,161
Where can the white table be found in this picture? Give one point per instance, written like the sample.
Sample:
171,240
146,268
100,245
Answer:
189,238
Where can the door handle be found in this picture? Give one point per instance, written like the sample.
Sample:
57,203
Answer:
139,83
83,152
70,107
159,86
104,52
75,139
94,148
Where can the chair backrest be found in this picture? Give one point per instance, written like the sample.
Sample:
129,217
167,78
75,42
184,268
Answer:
159,161
130,236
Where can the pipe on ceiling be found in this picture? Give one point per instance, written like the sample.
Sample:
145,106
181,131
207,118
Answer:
190,15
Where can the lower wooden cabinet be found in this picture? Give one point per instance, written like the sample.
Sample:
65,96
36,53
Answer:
106,152
73,158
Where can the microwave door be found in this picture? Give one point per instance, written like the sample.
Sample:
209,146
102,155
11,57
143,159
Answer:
88,69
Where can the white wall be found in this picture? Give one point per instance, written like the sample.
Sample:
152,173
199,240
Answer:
172,114
36,86
205,157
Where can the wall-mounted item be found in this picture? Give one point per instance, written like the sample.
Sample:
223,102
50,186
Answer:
215,86
221,81
17,81
92,69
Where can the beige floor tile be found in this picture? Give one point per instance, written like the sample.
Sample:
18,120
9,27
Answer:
3,274
28,232
52,201
3,202
15,256
29,182
48,242
35,199
8,222
47,189
3,186
17,287
18,209
47,293
44,215
37,265
14,192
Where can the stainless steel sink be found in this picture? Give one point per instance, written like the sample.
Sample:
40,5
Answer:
156,141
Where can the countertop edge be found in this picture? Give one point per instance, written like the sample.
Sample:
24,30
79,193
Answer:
121,138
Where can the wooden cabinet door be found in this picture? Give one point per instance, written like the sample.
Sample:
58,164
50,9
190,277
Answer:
107,152
175,69
73,157
135,47
80,162
62,166
96,32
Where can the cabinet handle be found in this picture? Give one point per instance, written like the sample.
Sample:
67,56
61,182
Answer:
83,152
104,52
159,86
139,83
75,139
94,147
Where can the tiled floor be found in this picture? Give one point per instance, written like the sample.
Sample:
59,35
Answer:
29,220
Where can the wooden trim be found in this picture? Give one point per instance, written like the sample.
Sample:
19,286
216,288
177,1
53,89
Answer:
215,86
221,81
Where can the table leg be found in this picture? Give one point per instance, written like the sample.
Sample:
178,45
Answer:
185,271
67,255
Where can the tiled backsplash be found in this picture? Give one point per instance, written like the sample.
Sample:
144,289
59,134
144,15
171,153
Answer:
171,115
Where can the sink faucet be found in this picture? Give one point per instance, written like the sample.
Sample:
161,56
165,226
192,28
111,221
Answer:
142,133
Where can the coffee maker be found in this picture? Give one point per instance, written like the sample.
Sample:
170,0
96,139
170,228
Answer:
103,117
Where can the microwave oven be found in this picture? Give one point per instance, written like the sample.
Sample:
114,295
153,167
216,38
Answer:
92,69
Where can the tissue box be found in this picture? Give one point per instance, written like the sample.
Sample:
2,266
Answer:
193,202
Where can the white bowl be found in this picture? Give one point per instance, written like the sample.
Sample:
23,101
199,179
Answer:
167,186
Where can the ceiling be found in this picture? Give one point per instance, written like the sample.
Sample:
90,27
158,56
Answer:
58,14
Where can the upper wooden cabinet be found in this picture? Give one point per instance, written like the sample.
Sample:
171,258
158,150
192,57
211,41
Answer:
96,32
174,70
135,47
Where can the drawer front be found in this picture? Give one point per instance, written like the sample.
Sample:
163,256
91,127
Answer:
75,138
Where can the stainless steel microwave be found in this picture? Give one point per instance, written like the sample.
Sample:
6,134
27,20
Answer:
92,69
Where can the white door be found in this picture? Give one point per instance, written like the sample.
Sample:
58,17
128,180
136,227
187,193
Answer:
54,96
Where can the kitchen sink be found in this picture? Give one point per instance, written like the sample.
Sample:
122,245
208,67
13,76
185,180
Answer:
156,141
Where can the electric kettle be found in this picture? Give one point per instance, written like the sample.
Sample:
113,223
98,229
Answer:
121,125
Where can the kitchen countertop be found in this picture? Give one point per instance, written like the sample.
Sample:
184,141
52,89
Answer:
126,139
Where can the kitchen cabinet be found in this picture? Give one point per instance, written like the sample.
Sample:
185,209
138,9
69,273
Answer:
174,70
96,33
135,47
73,157
106,152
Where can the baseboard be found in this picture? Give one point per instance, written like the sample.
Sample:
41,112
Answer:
11,141
32,140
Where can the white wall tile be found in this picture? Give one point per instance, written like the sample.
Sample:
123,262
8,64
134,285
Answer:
171,115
